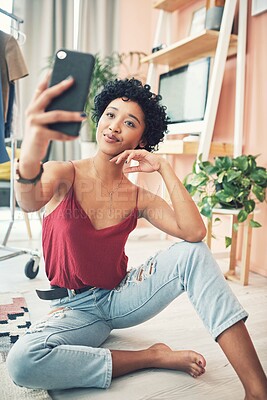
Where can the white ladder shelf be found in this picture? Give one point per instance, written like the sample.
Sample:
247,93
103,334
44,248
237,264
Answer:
220,57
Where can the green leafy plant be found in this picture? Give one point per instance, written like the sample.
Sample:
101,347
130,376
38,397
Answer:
233,183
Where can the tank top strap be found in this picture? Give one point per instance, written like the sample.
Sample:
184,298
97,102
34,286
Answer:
74,173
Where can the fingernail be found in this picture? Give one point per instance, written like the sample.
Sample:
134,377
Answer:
200,363
69,78
83,114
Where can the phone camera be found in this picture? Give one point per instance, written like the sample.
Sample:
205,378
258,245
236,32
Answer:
61,55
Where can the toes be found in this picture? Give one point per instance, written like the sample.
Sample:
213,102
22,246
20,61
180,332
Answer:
198,367
201,361
196,373
197,370
201,368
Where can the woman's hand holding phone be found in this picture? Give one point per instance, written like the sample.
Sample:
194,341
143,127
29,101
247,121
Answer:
37,133
80,66
56,110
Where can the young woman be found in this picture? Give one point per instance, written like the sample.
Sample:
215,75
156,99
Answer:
91,207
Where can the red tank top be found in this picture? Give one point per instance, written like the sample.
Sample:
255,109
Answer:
76,254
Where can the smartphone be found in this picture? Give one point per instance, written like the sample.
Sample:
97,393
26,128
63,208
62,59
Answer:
80,66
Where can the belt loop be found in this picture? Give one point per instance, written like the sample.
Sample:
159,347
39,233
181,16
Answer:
71,293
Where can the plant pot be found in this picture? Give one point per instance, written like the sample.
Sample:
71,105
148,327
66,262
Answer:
232,205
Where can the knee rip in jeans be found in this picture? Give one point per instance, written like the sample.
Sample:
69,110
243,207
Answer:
144,272
138,275
40,325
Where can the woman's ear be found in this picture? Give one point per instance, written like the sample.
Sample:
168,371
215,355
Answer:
142,143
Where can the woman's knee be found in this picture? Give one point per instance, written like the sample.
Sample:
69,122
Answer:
199,254
192,256
192,247
21,365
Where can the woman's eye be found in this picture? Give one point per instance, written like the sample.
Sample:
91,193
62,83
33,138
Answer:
130,124
110,114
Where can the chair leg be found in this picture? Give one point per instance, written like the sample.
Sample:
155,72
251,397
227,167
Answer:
243,278
27,221
233,248
246,248
40,217
209,233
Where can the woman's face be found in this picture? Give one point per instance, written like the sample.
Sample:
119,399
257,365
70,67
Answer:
121,127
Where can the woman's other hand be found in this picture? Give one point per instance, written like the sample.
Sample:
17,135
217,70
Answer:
148,162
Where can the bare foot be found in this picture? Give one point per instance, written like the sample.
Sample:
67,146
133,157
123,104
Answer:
185,360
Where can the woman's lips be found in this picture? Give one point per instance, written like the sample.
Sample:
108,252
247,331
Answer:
109,138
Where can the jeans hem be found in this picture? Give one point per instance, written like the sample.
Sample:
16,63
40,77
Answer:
109,369
243,315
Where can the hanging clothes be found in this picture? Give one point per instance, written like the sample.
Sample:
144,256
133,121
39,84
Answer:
9,115
12,68
4,157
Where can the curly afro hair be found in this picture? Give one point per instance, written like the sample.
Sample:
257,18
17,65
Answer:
133,89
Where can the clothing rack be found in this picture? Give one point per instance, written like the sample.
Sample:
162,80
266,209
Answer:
32,266
12,16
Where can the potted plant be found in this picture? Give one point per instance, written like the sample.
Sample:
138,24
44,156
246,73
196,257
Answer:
233,183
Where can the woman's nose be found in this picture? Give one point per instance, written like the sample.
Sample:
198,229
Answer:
114,127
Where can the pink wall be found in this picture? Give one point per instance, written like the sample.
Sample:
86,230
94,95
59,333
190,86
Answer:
255,129
138,20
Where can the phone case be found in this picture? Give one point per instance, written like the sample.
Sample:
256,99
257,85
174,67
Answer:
80,66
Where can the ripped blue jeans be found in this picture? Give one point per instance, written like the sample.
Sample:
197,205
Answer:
63,350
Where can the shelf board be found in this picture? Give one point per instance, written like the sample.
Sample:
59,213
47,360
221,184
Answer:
182,147
169,5
190,49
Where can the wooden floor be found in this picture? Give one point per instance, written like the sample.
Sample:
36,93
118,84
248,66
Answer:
178,326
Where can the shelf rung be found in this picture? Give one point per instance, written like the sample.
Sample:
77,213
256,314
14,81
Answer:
169,5
190,49
181,147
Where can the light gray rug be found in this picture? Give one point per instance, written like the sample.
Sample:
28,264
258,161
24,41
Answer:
14,319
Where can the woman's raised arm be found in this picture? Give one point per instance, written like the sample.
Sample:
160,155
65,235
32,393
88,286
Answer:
35,185
183,219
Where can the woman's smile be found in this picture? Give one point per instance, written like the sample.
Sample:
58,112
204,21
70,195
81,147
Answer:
110,138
